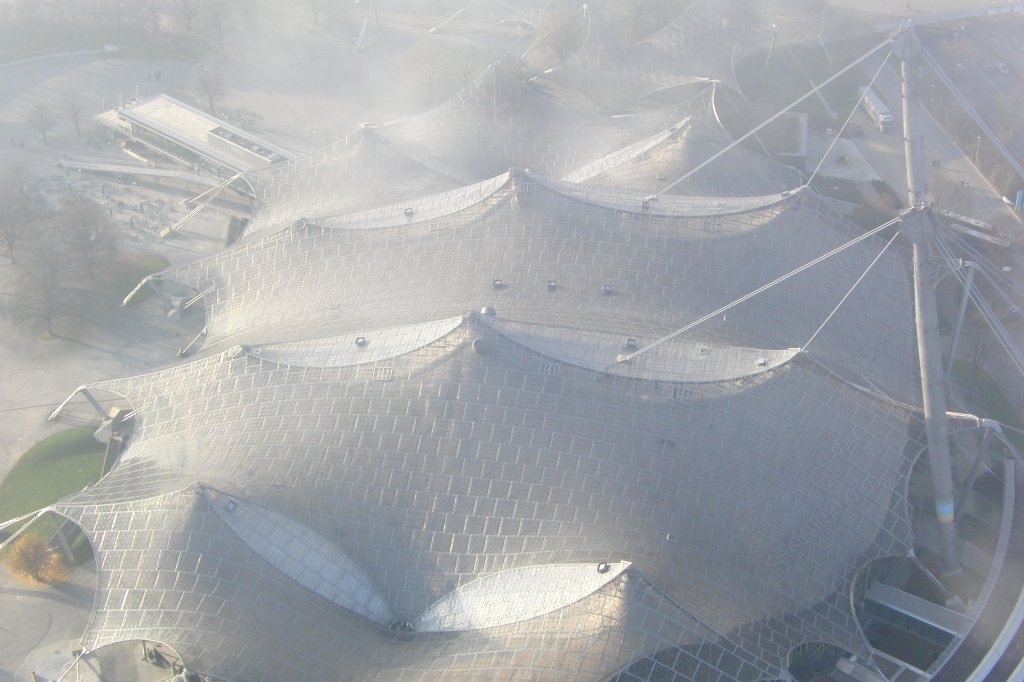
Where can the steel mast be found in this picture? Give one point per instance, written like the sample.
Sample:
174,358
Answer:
918,227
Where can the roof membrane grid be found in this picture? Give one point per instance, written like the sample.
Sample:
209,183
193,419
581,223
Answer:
499,122
539,504
615,72
553,255
169,569
357,173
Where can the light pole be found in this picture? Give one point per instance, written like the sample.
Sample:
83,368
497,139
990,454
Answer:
771,46
977,148
821,32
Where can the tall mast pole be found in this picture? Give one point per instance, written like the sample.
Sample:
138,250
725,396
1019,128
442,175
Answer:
918,227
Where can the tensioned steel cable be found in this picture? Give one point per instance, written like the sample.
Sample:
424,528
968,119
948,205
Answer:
848,293
853,111
727,148
763,288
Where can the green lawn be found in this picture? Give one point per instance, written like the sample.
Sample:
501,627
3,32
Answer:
123,274
54,467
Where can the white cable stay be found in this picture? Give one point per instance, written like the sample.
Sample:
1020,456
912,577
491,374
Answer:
740,140
763,288
848,293
856,105
999,279
991,319
16,534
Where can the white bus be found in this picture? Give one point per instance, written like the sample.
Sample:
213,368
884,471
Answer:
876,109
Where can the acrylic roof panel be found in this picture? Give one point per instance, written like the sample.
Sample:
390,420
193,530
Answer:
615,72
499,122
653,164
231,614
662,271
354,174
707,35
455,463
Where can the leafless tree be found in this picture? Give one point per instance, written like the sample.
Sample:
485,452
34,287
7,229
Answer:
33,559
49,287
212,87
41,119
87,230
562,34
949,195
20,203
187,9
76,111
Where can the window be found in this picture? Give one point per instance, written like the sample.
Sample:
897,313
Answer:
681,394
383,373
549,369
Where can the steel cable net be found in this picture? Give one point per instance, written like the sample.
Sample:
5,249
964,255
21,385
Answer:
416,434
442,464
408,409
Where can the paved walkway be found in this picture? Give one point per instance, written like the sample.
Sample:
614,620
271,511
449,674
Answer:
42,621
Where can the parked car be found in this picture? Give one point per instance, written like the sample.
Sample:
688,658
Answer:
962,70
1003,68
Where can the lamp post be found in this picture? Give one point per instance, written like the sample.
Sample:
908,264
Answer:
977,148
771,46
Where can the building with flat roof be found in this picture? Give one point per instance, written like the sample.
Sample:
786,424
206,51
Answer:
193,137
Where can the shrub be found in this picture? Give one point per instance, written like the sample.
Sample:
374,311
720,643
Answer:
31,558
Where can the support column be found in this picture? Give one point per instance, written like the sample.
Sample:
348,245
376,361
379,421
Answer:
92,401
918,226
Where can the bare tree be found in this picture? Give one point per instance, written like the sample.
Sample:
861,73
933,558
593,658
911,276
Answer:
187,9
20,202
49,286
949,195
76,111
33,559
212,87
87,230
41,119
563,36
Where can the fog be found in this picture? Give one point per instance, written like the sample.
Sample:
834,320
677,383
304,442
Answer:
420,339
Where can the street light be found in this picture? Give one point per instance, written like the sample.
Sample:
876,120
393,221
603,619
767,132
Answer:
977,148
771,46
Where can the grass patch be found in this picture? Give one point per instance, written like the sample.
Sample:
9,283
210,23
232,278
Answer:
124,273
54,467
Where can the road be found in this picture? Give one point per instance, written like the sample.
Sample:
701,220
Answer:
995,96
885,153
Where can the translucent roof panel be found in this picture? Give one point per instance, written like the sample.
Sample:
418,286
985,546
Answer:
463,458
652,165
356,173
640,272
500,122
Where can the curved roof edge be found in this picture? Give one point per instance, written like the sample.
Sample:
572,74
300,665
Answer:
675,361
516,595
302,554
423,209
624,155
357,348
667,205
